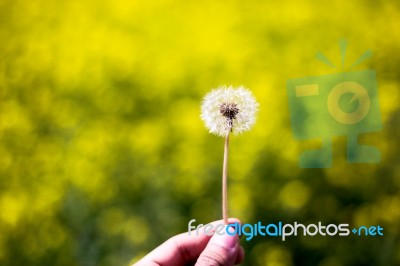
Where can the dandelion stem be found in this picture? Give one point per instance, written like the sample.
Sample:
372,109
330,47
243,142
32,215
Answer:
225,180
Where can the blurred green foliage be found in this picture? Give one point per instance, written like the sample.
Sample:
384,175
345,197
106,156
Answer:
103,155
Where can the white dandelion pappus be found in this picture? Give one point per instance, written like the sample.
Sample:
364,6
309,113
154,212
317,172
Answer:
229,109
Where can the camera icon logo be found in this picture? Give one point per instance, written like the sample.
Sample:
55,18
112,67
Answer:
341,104
358,92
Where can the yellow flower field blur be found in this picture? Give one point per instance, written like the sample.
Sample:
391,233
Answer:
103,154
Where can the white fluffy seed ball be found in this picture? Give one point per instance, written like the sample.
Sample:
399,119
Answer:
228,109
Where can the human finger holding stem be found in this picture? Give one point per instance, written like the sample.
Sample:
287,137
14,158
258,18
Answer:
197,248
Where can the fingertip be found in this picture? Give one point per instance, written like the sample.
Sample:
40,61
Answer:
234,220
223,249
226,239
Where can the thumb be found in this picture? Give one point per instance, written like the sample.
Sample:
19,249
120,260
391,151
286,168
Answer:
221,250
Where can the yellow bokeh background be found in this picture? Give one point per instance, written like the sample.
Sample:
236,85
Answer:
103,155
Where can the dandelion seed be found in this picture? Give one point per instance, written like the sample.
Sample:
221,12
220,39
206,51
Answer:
226,110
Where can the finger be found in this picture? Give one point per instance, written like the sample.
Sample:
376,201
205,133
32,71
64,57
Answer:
181,249
240,256
222,249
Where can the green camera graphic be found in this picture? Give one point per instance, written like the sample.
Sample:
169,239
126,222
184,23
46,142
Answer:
341,104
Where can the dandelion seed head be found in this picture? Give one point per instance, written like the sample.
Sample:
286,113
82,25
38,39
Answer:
228,109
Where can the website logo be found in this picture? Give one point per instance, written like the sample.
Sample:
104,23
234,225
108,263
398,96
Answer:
341,104
283,230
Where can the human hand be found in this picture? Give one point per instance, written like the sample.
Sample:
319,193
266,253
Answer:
197,249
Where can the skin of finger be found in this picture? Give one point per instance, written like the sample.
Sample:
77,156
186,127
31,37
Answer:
240,256
220,250
180,249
